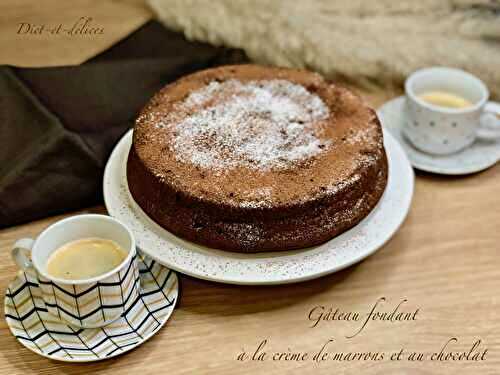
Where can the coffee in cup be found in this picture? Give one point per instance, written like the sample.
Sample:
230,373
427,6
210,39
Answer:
85,258
445,111
86,267
445,99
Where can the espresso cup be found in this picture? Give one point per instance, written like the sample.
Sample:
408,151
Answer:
88,303
443,130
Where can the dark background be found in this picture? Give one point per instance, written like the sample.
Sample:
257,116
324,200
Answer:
59,125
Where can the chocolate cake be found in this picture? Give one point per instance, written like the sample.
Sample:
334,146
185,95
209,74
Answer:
249,159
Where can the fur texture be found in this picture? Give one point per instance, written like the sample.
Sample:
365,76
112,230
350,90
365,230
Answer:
365,42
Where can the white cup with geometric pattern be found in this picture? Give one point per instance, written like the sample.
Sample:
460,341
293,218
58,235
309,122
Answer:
441,130
88,303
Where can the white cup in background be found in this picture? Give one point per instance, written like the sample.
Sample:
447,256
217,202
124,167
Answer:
442,130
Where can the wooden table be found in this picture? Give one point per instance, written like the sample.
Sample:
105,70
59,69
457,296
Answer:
444,261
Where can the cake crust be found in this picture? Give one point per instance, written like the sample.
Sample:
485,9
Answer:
325,178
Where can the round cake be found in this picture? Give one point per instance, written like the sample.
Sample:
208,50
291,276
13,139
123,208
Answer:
249,159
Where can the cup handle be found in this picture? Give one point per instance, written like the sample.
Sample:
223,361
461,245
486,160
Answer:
21,253
489,126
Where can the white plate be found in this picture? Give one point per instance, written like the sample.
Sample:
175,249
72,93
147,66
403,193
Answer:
477,157
265,268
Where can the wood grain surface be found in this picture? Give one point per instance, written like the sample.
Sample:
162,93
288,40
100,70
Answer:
444,261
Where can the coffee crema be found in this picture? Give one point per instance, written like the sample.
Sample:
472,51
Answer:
445,99
85,258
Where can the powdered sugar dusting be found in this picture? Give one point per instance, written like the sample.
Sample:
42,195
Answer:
258,124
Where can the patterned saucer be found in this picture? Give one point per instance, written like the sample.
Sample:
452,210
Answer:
44,334
475,158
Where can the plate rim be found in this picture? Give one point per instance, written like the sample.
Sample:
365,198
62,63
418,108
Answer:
427,167
397,148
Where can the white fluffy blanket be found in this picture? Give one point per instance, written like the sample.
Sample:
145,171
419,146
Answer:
366,42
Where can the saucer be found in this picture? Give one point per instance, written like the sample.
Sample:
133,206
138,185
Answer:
281,267
44,334
477,157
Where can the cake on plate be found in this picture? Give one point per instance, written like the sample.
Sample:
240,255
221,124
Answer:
248,158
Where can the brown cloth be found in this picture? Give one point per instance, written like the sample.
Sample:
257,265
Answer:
59,125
